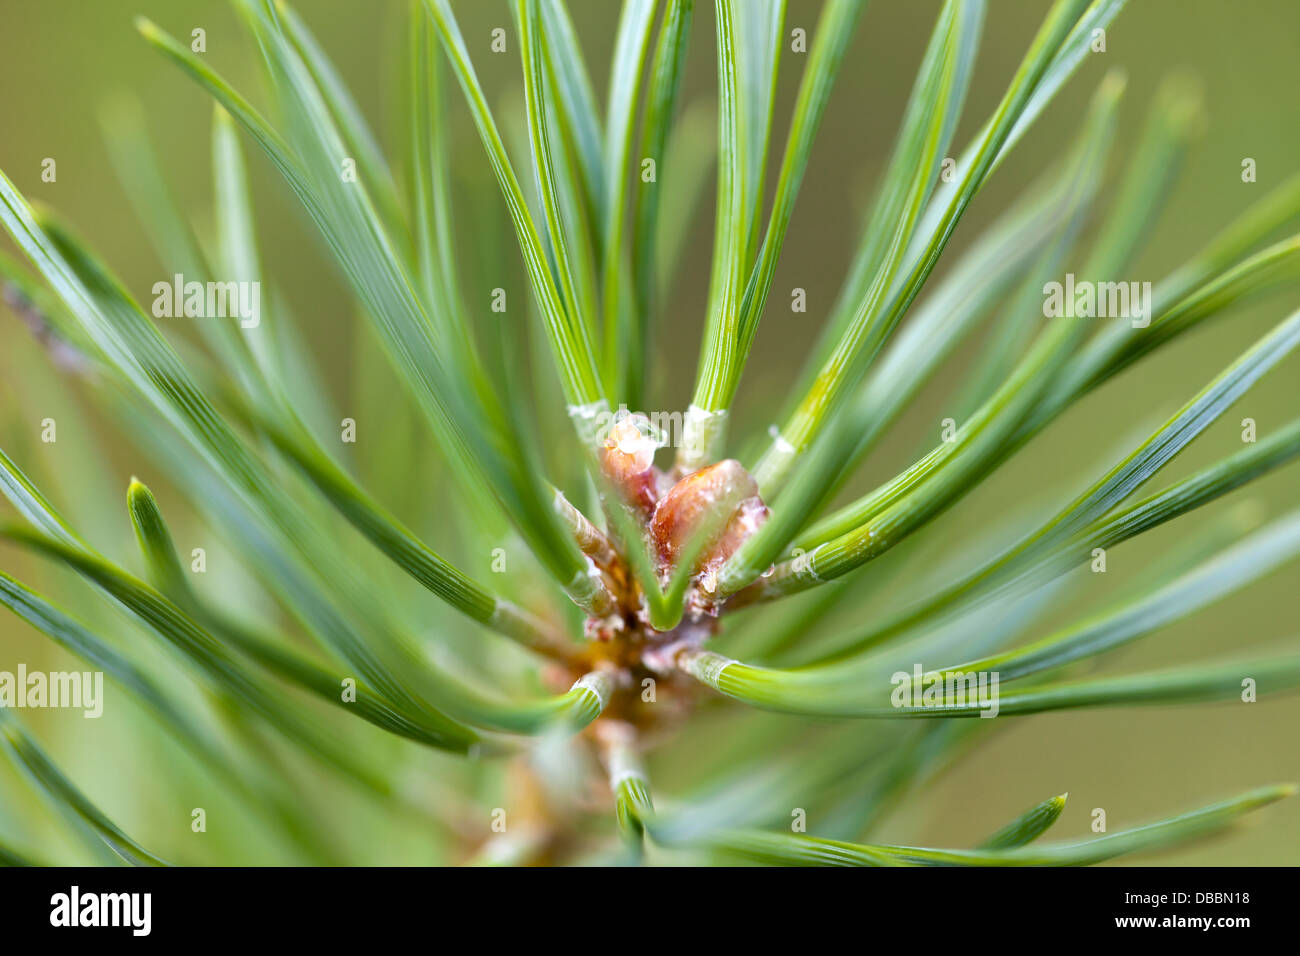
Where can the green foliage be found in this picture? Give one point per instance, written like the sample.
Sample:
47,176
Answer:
531,684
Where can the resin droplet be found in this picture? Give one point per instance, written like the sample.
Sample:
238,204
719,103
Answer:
627,458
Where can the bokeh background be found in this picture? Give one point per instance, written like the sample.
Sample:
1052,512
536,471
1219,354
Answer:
61,61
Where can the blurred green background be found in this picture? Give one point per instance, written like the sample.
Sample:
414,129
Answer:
61,60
